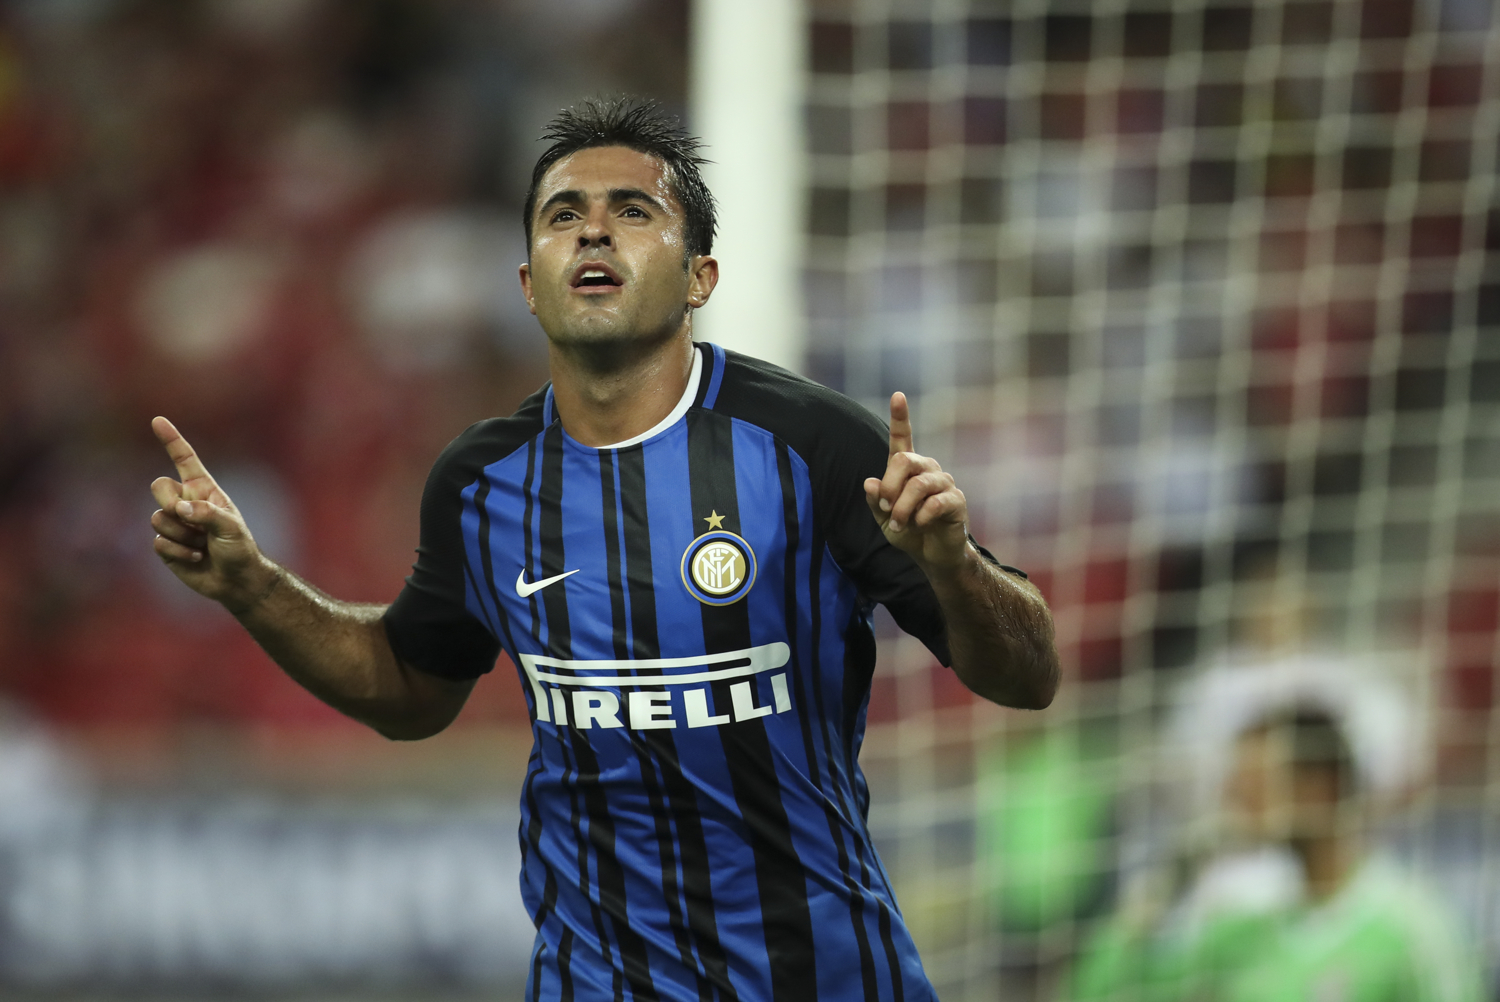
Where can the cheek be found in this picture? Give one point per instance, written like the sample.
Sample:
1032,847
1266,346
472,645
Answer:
548,260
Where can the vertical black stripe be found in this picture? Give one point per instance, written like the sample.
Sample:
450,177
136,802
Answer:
528,549
681,798
532,842
779,875
666,849
705,374
852,810
612,553
564,966
550,526
570,779
531,491
536,970
486,561
859,668
898,990
809,742
601,825
638,553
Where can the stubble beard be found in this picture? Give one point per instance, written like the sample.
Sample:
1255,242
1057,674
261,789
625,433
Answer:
610,343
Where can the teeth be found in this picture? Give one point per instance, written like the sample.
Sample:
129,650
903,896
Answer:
594,274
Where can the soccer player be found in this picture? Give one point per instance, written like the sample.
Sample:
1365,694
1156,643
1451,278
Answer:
1360,930
679,548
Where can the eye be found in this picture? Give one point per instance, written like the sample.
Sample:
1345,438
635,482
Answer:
564,215
636,211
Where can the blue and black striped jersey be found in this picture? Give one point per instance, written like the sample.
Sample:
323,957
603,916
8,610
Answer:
690,619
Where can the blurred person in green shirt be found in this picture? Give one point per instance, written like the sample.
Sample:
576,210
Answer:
1348,926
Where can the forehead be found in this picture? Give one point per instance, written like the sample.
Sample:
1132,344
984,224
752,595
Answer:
600,169
1257,743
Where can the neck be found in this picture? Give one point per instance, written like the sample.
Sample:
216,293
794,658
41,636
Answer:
611,393
1327,862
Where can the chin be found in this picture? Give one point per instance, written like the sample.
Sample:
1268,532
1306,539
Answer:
603,332
592,331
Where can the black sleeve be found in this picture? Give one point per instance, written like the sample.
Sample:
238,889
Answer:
857,448
842,444
428,625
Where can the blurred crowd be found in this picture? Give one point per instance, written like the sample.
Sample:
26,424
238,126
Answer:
1198,300
292,227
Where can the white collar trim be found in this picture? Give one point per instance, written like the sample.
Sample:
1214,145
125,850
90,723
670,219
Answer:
688,396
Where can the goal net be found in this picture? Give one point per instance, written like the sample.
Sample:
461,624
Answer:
1199,302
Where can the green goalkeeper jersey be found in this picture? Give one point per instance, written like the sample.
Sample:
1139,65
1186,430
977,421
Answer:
1381,939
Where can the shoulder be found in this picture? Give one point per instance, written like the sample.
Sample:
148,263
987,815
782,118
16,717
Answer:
489,441
1395,914
808,416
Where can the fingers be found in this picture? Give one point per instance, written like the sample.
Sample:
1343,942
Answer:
204,517
901,468
175,529
166,491
172,551
197,484
915,493
949,506
879,507
900,424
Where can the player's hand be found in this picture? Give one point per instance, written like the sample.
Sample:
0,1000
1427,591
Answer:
918,506
200,534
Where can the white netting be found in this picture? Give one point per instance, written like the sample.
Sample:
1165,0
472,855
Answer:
1200,304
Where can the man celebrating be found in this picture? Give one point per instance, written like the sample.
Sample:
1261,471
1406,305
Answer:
674,545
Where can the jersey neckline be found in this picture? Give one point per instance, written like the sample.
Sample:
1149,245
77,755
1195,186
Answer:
684,404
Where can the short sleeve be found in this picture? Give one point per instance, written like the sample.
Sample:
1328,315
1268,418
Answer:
853,448
429,625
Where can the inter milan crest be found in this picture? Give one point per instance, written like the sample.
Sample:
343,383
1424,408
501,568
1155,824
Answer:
718,567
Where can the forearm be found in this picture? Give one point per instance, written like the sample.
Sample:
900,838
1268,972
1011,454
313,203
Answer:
1000,633
339,652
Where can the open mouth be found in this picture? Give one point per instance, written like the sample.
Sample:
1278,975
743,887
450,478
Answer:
596,276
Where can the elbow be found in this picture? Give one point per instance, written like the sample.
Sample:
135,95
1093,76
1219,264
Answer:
1043,690
408,730
413,722
422,706
1027,681
405,720
1045,676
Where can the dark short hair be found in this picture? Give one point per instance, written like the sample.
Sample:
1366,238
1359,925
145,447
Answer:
1317,741
643,126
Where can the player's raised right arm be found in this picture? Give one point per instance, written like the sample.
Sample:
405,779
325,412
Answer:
336,650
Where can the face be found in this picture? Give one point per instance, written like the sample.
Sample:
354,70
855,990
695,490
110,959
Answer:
1273,799
607,251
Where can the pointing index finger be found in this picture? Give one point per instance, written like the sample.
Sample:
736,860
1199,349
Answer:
197,483
900,424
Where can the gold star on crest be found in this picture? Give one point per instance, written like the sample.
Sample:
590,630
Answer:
715,521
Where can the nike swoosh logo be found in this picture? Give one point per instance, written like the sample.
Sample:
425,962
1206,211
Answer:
524,590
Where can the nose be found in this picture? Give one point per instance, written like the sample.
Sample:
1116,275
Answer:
596,232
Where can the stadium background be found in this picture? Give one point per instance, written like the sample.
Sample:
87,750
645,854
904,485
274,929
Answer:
1197,299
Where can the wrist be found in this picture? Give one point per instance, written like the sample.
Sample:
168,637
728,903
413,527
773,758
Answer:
257,585
957,569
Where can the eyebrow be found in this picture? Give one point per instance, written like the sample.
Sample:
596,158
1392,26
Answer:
574,196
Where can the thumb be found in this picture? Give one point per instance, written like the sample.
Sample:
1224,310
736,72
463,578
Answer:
212,519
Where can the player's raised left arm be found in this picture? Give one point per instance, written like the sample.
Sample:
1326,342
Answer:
999,627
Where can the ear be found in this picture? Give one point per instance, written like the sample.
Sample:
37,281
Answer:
705,275
526,288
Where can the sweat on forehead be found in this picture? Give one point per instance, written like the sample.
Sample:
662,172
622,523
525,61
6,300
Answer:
615,174
642,127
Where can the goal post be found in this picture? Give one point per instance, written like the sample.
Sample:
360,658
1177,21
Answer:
745,78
